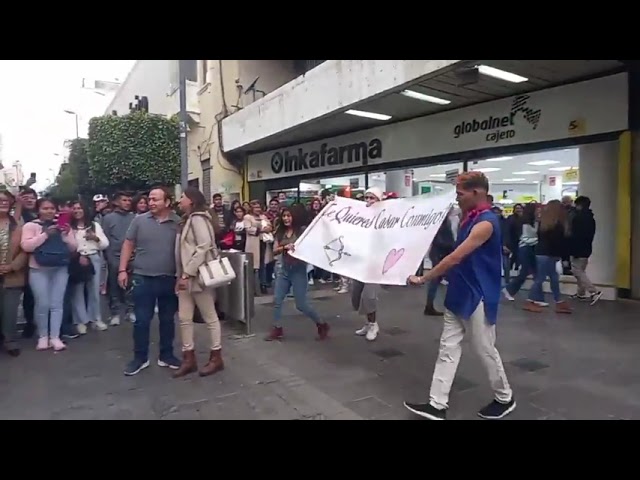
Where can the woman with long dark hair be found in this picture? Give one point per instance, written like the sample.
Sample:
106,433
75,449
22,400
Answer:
50,246
553,244
526,250
195,246
85,269
291,273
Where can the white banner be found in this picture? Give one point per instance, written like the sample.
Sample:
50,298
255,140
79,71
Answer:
382,244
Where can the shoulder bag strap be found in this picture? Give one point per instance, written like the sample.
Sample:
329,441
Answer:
208,253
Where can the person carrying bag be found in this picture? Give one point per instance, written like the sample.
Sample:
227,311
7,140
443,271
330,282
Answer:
199,271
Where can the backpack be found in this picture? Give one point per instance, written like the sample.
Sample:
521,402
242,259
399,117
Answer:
54,252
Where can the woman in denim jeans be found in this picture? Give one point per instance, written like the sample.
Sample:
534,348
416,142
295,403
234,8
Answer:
291,274
526,251
553,243
48,283
91,242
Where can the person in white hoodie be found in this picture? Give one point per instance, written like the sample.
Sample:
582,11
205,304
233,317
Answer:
364,296
91,242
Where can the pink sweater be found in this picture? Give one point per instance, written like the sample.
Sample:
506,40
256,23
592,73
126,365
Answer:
33,237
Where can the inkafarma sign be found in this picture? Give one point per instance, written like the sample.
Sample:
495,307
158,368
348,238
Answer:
300,160
498,128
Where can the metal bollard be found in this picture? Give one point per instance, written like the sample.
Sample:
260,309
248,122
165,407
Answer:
237,299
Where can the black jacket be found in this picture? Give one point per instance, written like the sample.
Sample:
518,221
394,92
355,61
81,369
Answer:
553,243
443,243
583,230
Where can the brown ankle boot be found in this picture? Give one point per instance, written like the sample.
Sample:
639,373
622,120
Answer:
188,364
323,331
215,364
563,307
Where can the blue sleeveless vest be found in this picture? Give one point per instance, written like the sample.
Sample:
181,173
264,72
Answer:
479,276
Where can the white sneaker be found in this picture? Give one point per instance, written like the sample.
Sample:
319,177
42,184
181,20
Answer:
311,282
343,289
115,321
364,330
372,334
132,317
337,288
322,281
100,325
507,295
81,328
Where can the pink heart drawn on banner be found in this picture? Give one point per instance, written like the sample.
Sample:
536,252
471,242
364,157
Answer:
392,258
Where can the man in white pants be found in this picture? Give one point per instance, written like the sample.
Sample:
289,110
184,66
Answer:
473,270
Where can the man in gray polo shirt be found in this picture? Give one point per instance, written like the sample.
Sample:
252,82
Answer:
153,237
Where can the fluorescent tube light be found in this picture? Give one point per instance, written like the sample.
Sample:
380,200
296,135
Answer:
501,74
424,97
374,116
541,163
498,159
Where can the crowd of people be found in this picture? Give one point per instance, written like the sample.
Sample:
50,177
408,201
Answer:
144,253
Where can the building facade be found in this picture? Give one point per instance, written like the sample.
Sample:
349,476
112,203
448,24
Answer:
539,129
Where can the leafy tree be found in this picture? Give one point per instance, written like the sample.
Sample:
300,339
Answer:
133,151
79,167
66,186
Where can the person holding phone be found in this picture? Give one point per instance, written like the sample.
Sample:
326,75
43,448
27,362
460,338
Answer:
50,246
91,242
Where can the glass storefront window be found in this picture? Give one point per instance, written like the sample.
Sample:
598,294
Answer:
531,177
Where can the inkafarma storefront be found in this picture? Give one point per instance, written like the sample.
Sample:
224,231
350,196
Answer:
540,146
570,114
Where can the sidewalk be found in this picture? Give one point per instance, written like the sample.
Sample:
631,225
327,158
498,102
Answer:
581,366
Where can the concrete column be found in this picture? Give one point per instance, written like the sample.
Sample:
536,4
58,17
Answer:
598,181
400,182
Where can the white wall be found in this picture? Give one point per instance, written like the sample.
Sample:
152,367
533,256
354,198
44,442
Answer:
150,78
599,182
273,74
333,85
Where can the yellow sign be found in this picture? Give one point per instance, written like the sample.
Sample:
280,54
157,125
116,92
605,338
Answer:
571,176
577,127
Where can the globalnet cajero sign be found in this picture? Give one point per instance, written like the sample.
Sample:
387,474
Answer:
598,106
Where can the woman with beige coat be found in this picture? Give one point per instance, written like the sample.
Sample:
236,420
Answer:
195,246
259,242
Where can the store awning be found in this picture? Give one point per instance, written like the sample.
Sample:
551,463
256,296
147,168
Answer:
457,86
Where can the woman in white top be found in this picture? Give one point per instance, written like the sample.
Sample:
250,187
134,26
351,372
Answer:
91,241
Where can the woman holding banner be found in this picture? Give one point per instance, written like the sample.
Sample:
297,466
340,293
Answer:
291,274
364,296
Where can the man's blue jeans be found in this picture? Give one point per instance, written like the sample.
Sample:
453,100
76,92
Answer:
545,267
146,292
292,277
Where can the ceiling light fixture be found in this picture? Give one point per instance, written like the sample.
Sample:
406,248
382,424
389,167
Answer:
498,159
374,116
486,170
560,169
541,163
438,175
424,97
513,179
526,172
501,74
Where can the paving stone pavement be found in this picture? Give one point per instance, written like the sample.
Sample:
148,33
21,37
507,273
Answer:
581,366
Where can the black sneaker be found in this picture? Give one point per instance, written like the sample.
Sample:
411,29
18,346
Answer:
427,410
496,410
579,297
169,362
595,297
70,334
135,366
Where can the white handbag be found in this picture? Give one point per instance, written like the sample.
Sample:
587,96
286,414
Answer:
214,272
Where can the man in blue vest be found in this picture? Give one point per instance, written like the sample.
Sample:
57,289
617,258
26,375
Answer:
473,271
